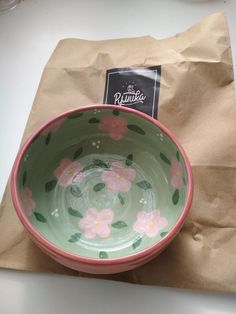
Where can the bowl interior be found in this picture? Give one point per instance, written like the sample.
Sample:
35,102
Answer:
102,183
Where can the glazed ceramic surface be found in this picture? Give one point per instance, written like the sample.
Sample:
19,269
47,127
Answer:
102,183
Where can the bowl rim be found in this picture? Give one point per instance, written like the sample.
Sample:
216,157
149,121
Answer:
43,241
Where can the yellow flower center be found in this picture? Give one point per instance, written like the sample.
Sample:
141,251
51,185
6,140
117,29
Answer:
178,173
69,172
96,222
118,176
152,223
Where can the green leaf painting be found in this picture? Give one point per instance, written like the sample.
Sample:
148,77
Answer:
74,237
50,185
119,224
75,191
129,160
103,254
136,128
100,163
98,187
145,185
78,152
94,120
175,197
48,138
165,159
177,155
40,217
75,115
163,234
74,212
116,112
24,178
137,243
121,199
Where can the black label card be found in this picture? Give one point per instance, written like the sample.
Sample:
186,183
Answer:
137,88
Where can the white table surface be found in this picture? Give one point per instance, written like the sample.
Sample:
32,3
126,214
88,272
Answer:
28,35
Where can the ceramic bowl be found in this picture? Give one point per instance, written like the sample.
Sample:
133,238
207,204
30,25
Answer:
102,189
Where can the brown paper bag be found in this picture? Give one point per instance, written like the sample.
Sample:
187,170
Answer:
196,102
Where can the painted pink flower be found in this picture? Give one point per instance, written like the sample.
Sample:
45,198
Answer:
115,126
118,177
54,127
27,201
68,172
96,223
176,173
149,223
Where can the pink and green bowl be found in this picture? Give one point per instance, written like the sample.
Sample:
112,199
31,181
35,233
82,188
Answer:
102,189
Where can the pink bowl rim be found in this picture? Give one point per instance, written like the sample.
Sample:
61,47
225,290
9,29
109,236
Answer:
96,261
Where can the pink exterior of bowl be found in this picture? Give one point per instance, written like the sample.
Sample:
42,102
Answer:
109,268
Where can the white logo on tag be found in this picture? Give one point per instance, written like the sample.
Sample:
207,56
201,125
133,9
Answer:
130,97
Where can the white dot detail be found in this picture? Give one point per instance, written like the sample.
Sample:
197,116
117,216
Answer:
142,201
96,144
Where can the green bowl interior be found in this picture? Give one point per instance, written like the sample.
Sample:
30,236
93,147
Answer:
102,183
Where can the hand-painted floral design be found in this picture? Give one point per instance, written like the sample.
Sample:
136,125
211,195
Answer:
68,172
114,125
27,200
149,223
176,173
96,223
54,127
118,177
